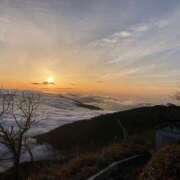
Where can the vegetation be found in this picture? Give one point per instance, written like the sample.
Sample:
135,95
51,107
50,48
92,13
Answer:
164,165
81,166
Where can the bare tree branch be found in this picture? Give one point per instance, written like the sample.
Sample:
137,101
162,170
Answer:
22,108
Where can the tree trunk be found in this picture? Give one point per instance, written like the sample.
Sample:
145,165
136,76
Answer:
16,166
17,158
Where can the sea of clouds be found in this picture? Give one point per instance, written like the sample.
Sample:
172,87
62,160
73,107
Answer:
56,110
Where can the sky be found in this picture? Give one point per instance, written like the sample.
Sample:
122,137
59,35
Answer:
124,48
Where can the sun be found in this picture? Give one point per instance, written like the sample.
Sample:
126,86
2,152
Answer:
50,80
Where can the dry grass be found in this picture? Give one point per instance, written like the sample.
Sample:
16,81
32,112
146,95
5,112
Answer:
83,166
165,165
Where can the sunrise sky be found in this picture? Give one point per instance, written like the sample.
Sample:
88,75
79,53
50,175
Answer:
115,47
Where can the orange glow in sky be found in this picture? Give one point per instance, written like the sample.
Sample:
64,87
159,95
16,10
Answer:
118,48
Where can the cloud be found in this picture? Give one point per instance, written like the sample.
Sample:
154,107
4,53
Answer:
35,83
131,32
43,83
138,42
149,53
109,40
131,72
162,23
59,89
112,39
48,83
123,34
141,28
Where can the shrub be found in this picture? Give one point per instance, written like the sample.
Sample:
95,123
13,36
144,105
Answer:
165,165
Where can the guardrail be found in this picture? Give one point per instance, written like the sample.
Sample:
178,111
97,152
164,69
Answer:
117,164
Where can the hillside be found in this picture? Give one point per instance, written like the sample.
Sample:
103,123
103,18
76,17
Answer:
105,129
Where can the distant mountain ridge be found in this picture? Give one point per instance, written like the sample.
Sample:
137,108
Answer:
82,105
105,128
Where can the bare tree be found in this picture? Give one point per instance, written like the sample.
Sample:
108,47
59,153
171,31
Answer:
22,110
